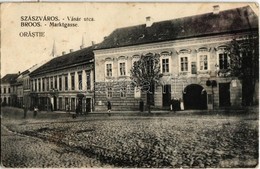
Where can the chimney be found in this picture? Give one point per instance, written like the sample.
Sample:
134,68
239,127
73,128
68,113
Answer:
149,21
216,9
63,53
71,50
93,43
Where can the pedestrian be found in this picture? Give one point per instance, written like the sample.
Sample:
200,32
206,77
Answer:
141,105
35,111
67,108
109,108
24,111
181,104
172,105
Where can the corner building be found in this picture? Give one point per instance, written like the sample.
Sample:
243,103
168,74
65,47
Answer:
65,80
193,51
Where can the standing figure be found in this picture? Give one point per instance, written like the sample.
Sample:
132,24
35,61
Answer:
24,111
67,108
35,111
109,108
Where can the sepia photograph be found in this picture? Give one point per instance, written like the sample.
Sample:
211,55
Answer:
129,85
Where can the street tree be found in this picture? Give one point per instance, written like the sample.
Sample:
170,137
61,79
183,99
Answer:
146,74
244,64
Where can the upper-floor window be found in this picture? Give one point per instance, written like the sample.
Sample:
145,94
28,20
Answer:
165,65
72,82
135,58
55,82
203,61
51,80
80,81
39,84
165,61
66,82
4,90
109,69
184,55
88,80
35,84
60,83
47,84
122,69
184,63
223,61
43,84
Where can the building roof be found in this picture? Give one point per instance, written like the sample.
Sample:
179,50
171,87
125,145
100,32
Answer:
228,21
9,78
67,60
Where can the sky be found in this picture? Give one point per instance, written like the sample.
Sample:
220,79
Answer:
20,53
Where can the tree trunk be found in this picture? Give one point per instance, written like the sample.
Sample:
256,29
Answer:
148,102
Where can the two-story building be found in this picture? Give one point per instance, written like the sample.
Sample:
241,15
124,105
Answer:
7,89
66,80
193,54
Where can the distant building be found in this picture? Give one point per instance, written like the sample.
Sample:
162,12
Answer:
192,51
65,81
8,91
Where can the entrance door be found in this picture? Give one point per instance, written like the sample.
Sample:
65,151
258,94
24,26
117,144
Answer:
224,94
55,103
166,95
195,97
88,105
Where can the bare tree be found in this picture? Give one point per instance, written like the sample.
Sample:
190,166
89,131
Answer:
146,74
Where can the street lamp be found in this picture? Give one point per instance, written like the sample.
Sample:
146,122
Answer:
212,83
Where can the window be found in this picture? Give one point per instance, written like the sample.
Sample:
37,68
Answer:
47,85
184,63
35,85
203,62
88,80
193,68
66,83
72,104
122,69
51,79
123,92
165,65
135,58
223,61
109,92
4,90
80,81
39,84
60,103
60,83
43,84
55,82
109,69
72,82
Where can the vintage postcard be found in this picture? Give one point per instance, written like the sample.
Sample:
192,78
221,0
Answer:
129,85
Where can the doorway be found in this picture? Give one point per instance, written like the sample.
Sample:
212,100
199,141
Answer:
224,94
195,97
166,92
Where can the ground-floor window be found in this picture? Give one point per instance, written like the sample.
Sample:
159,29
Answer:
72,104
60,103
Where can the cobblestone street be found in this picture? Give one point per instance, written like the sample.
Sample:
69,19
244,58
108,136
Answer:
132,141
26,151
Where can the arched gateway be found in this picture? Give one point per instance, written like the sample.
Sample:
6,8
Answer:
194,97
